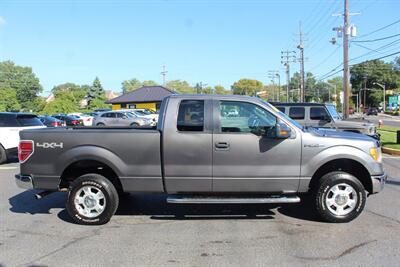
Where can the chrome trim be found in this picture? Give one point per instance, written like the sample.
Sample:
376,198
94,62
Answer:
378,182
24,181
227,200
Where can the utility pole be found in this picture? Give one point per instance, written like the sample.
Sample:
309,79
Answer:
346,31
301,61
164,73
346,70
288,57
272,74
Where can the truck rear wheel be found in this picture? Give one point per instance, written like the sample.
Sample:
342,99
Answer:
339,197
92,199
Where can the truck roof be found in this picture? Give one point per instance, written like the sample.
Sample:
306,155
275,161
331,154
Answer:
210,96
302,104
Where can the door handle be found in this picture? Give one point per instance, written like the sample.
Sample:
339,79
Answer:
222,146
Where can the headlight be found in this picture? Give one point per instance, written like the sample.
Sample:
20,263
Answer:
376,154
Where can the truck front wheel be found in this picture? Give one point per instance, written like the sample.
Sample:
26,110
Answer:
92,199
339,197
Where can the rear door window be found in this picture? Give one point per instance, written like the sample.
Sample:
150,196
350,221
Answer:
297,113
191,116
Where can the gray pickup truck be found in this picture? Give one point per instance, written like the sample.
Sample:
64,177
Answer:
205,149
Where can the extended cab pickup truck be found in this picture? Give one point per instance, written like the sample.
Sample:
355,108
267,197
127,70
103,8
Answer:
205,149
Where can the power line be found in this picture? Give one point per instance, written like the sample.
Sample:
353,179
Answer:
382,28
325,59
378,39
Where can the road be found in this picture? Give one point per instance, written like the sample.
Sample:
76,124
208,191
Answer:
148,232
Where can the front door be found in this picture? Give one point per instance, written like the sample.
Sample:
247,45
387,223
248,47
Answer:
319,118
247,161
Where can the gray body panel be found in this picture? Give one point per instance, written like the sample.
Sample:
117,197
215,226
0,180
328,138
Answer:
167,160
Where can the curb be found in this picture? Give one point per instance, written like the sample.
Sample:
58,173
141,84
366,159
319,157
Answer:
391,151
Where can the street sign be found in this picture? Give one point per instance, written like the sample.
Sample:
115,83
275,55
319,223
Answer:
393,101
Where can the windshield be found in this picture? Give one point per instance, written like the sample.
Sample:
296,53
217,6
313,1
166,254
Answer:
295,123
334,114
140,113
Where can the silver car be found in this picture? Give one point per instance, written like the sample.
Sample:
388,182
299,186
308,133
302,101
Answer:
117,118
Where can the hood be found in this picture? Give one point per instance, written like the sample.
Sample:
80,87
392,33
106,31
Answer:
353,124
331,133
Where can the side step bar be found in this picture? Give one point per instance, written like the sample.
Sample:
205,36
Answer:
232,200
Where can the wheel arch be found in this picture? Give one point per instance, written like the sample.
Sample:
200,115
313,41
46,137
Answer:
86,166
350,166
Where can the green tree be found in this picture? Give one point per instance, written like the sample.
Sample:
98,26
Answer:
182,87
220,90
23,81
367,73
246,87
130,85
149,83
64,102
8,100
96,92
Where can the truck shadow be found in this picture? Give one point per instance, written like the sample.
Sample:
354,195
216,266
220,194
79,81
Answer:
156,207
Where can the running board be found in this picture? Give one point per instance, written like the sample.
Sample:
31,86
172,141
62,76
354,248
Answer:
232,200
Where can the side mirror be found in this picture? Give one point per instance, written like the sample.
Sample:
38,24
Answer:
283,131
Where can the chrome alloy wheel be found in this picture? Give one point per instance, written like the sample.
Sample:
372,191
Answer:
89,201
341,199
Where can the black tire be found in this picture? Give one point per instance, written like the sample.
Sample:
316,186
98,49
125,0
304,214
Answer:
3,155
322,192
100,183
100,124
134,125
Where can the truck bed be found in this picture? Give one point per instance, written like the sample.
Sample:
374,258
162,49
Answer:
112,146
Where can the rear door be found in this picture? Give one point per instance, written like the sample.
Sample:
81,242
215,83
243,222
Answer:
187,145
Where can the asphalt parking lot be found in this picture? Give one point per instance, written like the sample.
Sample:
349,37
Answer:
148,232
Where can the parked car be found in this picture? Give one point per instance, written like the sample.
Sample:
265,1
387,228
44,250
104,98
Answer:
119,118
50,121
102,110
86,119
147,114
69,120
372,111
197,155
324,116
148,120
11,123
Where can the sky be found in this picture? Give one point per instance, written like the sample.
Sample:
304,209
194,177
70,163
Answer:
215,42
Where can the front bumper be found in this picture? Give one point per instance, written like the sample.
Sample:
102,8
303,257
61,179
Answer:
378,182
24,181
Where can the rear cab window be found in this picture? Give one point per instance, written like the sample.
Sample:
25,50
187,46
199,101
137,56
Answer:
297,113
191,116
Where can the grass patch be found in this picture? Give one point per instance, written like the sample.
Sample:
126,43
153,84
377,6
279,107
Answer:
389,136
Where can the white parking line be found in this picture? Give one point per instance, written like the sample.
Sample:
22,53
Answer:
8,167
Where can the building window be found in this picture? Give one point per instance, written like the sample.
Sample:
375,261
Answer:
123,105
131,106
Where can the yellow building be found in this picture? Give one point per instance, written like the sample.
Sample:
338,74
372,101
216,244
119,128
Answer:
148,97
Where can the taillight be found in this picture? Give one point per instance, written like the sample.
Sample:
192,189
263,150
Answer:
54,124
25,150
74,122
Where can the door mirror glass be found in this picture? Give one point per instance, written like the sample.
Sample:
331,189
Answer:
282,131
